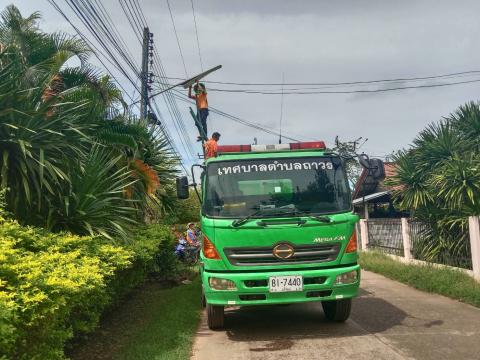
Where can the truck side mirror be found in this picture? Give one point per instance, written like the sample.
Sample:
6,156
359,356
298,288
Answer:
182,188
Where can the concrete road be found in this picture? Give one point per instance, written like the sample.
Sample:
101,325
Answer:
389,321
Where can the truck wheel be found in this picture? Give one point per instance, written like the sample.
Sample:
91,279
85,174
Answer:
215,316
337,310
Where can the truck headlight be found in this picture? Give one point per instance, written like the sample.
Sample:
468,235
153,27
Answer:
347,278
221,284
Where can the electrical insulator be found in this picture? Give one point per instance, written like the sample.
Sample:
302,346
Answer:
152,118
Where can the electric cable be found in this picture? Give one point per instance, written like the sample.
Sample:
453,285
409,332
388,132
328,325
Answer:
346,91
431,77
136,17
176,36
259,127
94,49
196,34
100,25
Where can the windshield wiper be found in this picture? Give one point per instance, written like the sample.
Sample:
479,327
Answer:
284,210
296,211
243,220
319,218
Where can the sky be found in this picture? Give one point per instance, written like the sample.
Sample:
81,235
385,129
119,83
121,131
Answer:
310,41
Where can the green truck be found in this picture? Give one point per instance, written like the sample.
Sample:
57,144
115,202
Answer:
278,228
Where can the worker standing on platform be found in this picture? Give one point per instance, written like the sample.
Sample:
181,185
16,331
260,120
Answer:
211,146
200,98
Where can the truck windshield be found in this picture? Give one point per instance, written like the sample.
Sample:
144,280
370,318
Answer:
311,185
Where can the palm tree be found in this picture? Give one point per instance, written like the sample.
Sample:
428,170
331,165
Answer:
59,123
438,179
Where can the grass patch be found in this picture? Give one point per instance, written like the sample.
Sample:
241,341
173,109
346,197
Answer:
448,282
173,316
153,323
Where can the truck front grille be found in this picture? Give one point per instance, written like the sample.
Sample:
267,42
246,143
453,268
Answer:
304,254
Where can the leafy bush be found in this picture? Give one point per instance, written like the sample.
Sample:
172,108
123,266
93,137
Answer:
161,257
55,286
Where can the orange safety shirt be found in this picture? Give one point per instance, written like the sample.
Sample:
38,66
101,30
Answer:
202,102
211,148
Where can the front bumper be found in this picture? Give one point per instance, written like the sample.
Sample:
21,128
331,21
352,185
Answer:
259,295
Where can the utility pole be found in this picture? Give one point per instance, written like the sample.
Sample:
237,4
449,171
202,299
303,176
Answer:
281,110
146,75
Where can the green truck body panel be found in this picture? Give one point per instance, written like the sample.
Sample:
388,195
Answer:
251,280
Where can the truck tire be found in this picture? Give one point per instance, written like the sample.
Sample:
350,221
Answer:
337,310
215,316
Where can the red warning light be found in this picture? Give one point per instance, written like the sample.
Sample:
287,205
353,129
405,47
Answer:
308,145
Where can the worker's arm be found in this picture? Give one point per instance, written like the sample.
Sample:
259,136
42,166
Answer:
190,93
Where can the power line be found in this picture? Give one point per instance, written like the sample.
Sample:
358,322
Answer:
95,50
179,95
259,127
344,91
103,35
196,34
137,21
281,111
100,25
455,74
176,36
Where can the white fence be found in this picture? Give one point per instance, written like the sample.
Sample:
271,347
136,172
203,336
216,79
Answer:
401,238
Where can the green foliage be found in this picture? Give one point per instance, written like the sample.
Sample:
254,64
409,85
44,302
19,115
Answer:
55,286
452,283
159,255
438,180
67,148
95,201
185,211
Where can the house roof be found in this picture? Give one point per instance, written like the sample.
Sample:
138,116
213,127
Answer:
375,196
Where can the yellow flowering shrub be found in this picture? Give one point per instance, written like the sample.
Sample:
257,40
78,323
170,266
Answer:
56,286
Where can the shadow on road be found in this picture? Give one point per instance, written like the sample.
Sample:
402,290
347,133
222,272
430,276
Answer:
279,326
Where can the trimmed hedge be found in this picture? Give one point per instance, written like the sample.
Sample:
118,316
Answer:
55,286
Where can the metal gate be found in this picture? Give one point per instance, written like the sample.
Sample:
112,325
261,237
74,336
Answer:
385,235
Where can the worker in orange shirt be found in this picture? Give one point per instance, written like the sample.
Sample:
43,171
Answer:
200,98
211,146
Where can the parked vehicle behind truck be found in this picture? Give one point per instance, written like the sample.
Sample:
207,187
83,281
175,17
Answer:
278,228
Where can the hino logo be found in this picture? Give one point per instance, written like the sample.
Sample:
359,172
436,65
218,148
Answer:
283,251
328,239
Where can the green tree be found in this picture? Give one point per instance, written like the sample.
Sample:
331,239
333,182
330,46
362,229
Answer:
438,180
71,156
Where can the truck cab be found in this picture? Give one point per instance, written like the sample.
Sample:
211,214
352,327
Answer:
278,228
